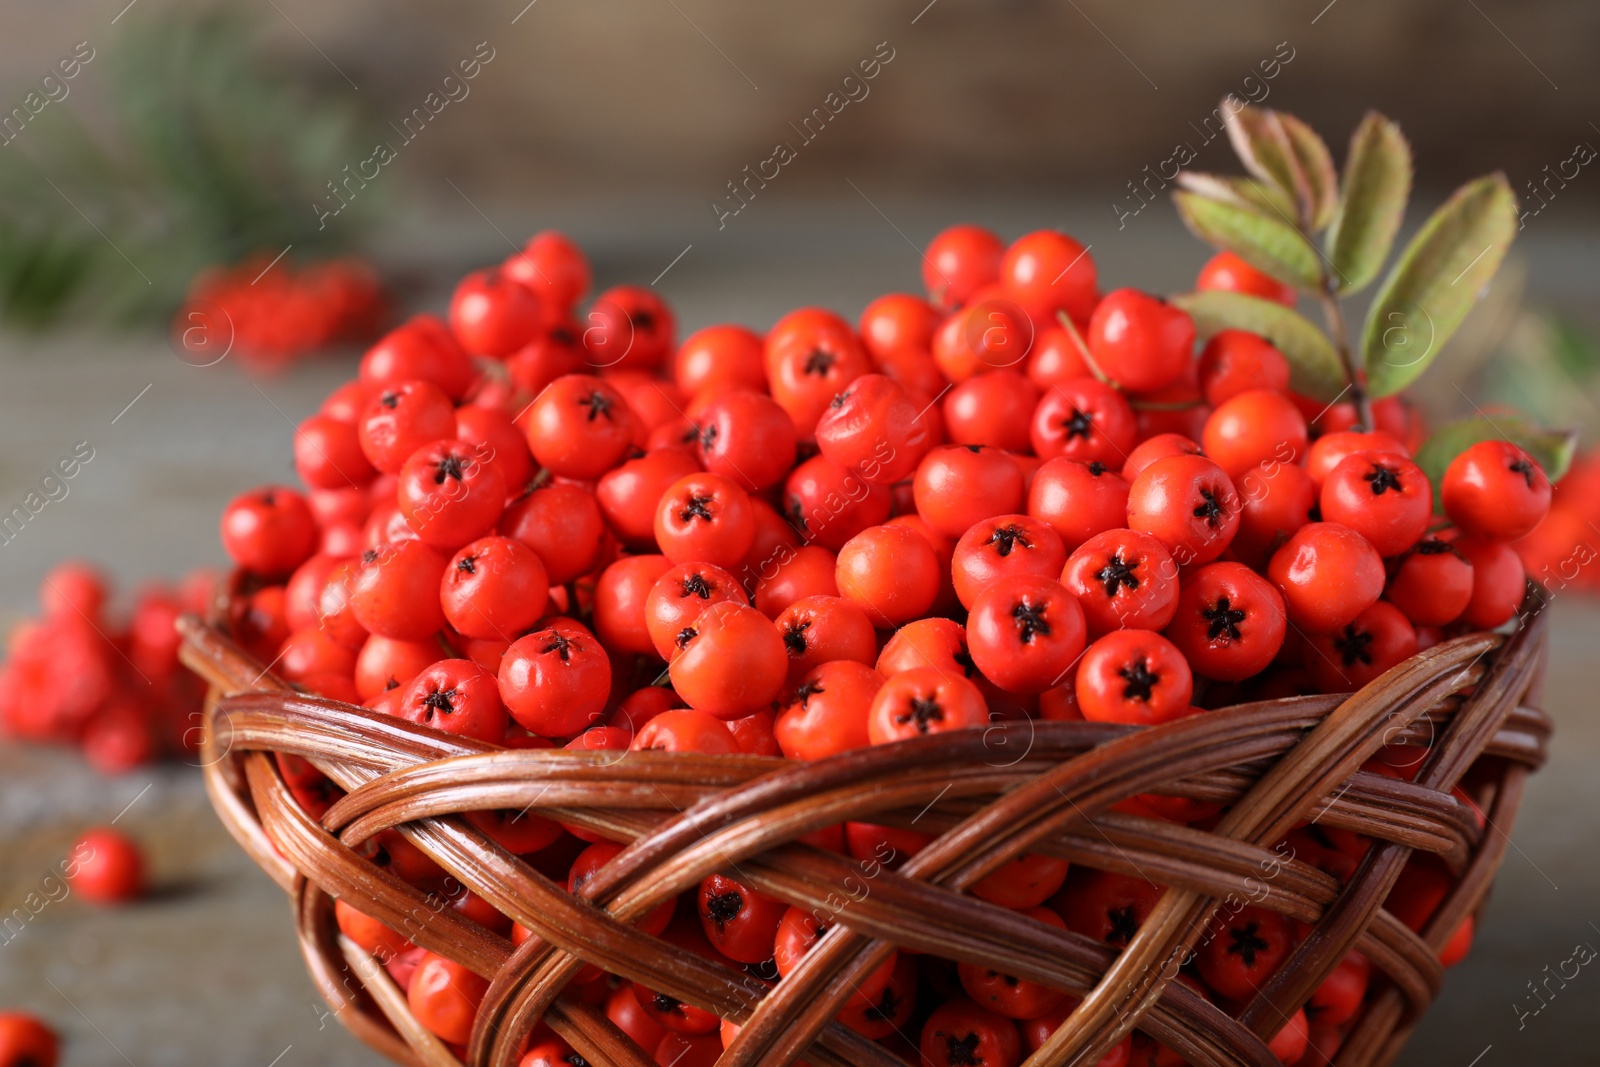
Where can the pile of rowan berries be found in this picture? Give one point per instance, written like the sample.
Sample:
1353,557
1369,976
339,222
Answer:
275,312
82,675
1017,498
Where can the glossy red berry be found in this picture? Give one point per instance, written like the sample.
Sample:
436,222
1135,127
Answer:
555,681
629,326
1025,632
629,494
960,261
396,591
401,418
746,436
730,663
1331,449
992,409
562,523
1235,361
1243,951
1188,504
896,323
1432,583
1346,659
891,572
718,358
552,267
1499,582
828,504
444,997
1140,342
580,426
423,348
875,429
819,629
1230,622
959,1032
1226,272
27,1042
687,730
457,696
959,485
739,922
1252,428
1001,547
494,315
327,454
494,587
269,531
1046,272
1383,496
828,711
924,700
450,493
1328,574
705,518
680,596
1077,500
105,867
1086,420
1134,676
1495,491
812,355
1123,579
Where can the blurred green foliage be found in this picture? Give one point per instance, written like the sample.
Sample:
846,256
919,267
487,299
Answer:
213,151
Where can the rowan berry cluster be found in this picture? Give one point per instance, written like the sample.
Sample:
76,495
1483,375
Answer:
275,312
80,674
1016,498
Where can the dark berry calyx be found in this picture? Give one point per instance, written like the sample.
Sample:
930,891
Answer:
1246,942
886,1007
1354,646
439,700
723,908
1005,538
685,635
1524,468
820,362
1124,924
1078,424
1224,620
598,404
794,638
1117,573
666,1005
839,399
921,712
558,643
696,585
1096,468
805,691
963,1051
1030,621
449,466
696,508
467,564
1210,509
708,436
1382,479
963,659
1140,683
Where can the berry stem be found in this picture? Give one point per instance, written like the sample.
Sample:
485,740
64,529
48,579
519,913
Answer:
1334,314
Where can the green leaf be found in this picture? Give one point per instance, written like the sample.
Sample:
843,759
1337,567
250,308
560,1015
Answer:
1315,369
1245,192
1310,154
1436,282
1552,448
1377,181
1262,144
1261,240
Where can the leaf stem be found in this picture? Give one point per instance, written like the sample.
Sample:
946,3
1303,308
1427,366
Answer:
1334,314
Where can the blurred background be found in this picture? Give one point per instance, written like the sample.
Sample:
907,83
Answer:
359,157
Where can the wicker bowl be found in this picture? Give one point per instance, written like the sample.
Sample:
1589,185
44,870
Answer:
989,795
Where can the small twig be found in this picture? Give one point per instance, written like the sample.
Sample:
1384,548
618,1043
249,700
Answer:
1334,315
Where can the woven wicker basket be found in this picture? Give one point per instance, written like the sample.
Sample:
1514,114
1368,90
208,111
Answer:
989,794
